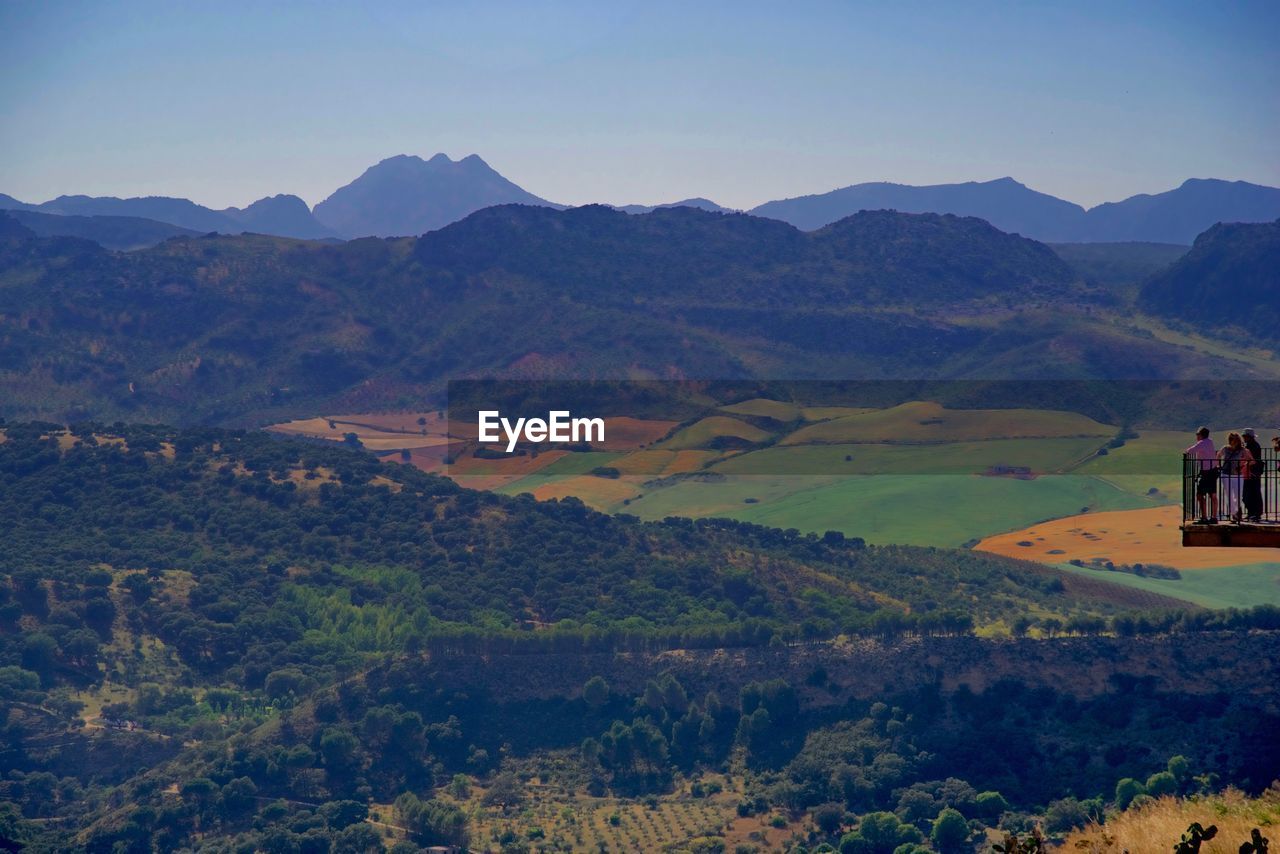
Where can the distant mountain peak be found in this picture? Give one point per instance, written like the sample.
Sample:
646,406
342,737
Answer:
695,202
406,195
282,214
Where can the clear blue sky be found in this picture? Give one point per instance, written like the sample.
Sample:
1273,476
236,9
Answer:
636,102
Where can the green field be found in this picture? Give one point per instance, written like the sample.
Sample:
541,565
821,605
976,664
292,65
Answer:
1040,455
909,474
1154,459
1222,587
930,510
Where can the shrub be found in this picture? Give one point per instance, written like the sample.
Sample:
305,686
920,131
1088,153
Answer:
1161,783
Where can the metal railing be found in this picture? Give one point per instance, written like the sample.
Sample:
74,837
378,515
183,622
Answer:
1254,494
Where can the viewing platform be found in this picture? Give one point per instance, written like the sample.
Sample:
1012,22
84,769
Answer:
1232,491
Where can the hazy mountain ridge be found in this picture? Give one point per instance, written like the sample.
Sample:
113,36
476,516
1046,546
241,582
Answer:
1175,216
1004,203
695,202
281,215
111,232
1179,215
406,195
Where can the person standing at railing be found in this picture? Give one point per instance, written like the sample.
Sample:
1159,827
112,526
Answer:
1203,457
1234,460
1252,486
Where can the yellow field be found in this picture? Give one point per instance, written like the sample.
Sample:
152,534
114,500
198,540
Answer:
623,433
375,432
702,433
662,463
1147,536
597,492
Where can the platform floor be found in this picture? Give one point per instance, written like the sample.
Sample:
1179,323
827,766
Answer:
1245,535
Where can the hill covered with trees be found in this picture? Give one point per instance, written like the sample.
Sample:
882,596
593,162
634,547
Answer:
1229,279
214,638
251,328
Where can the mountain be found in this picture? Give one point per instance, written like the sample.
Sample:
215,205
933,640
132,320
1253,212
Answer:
251,328
111,232
1174,217
406,195
1177,216
1004,203
180,212
1230,278
696,202
9,203
281,215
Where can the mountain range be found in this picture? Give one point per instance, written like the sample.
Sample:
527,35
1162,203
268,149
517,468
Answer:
696,202
406,195
282,215
247,329
1176,216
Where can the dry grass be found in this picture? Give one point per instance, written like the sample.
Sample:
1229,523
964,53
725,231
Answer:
597,492
1153,828
663,463
1149,535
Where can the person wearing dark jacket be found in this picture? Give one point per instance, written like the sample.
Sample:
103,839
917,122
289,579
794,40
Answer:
1251,493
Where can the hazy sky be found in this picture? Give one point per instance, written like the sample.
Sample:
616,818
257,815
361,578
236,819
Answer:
636,102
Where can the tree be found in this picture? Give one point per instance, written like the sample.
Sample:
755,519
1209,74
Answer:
1180,768
596,692
1161,783
338,747
238,796
916,805
989,806
460,787
340,814
357,839
829,818
950,831
1126,790
1063,815
878,833
199,790
40,655
432,822
505,791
